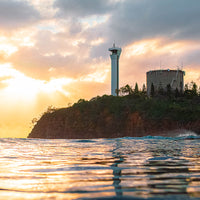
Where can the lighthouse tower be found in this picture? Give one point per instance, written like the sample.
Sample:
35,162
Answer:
116,51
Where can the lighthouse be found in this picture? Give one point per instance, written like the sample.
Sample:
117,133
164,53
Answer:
115,54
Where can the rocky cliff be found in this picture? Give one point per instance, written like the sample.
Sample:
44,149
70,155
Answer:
109,117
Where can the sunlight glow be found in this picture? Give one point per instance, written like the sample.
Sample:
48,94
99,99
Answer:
57,85
155,46
173,48
13,42
98,76
23,98
7,49
21,87
192,75
27,41
140,48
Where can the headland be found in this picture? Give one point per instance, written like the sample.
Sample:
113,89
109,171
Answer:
134,115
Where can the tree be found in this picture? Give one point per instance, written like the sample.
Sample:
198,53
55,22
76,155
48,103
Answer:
34,122
186,90
152,92
51,109
144,88
81,100
186,87
136,90
191,90
194,88
126,90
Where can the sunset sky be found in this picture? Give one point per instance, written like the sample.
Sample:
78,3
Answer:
54,52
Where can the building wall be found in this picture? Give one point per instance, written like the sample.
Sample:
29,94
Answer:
161,78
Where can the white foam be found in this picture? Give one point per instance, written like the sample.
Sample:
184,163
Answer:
187,133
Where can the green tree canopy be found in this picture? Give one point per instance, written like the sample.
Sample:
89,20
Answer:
152,91
136,90
126,90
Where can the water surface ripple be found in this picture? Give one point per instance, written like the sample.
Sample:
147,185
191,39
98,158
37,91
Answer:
123,168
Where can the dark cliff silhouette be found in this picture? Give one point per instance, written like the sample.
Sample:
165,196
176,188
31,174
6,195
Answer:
133,115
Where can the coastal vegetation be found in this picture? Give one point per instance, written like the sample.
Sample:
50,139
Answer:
132,113
175,105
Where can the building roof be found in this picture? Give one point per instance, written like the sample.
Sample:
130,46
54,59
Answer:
166,70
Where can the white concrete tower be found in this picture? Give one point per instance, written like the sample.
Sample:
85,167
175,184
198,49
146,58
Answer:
116,51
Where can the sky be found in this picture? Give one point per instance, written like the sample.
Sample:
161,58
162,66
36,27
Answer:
55,52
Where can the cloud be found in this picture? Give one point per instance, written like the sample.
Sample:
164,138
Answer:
154,18
192,57
31,62
72,51
54,55
80,8
132,21
140,57
17,14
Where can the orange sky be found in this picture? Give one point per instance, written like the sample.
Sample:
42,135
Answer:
56,52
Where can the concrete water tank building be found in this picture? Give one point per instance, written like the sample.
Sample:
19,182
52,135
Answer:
162,78
116,52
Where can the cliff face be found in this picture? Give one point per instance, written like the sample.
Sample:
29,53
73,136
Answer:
135,126
108,118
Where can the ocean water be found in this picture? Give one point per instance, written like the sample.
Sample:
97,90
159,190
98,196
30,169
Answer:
123,168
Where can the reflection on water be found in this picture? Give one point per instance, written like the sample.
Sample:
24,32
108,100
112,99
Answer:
117,171
123,168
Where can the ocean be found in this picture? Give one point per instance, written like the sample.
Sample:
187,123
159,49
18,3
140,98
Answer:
122,168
